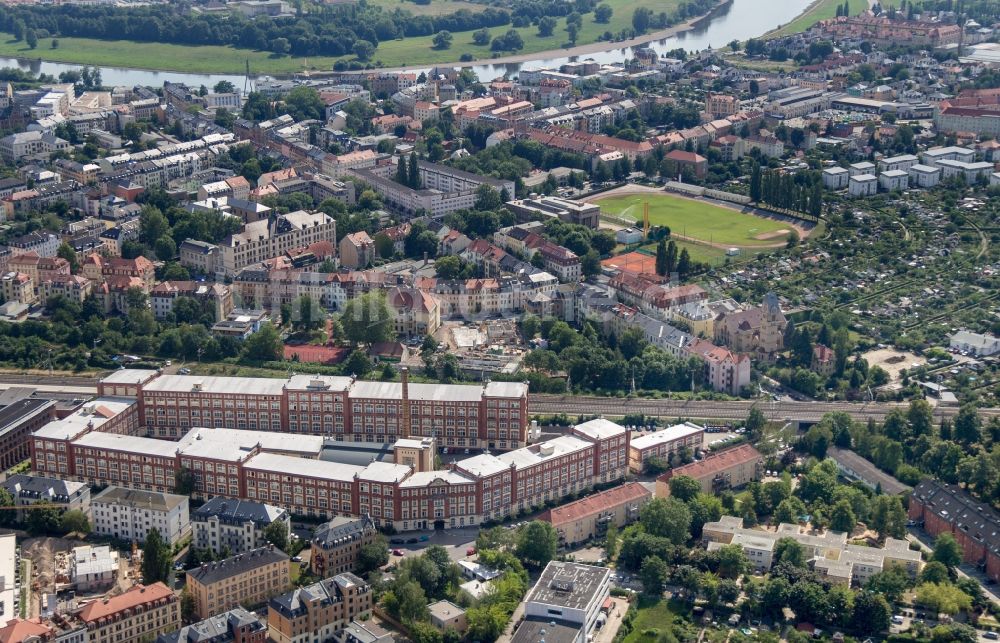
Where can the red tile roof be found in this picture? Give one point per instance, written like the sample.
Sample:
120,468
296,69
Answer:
596,503
714,463
138,595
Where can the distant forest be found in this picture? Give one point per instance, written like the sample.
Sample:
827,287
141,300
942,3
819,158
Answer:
323,30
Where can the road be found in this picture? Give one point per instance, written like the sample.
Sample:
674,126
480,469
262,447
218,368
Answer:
916,534
574,405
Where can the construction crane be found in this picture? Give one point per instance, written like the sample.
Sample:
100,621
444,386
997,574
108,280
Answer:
248,80
645,221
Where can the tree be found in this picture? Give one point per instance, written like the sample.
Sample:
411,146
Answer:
942,598
305,103
486,623
31,38
189,607
358,364
442,39
641,18
281,46
363,49
934,572
684,488
662,267
536,543
947,551
755,423
482,37
684,263
407,600
573,30
414,168
891,583
42,519
842,517
788,550
789,510
165,248
55,43
224,87
372,556
546,26
654,574
733,561
603,13
487,198
367,319
888,517
156,559
276,533
67,252
402,175
666,517
8,517
19,29
184,481
152,225
264,345
967,426
611,542
76,521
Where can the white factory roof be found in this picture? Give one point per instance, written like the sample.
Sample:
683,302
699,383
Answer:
895,174
425,478
243,385
130,443
483,465
924,169
418,392
600,429
128,376
530,456
384,472
234,444
864,178
304,467
506,389
95,413
318,383
668,434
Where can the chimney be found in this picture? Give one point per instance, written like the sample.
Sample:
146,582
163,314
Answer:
404,376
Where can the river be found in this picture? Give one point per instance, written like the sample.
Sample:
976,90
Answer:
737,20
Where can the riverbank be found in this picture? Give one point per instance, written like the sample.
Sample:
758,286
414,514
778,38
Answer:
418,52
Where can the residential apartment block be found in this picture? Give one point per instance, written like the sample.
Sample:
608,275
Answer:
268,238
837,560
665,443
129,514
140,613
249,578
590,517
335,545
235,626
726,469
234,526
318,611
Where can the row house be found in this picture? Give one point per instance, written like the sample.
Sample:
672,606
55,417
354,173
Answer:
214,297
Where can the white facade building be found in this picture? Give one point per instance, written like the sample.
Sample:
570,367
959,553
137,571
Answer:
894,180
835,178
862,185
129,515
924,176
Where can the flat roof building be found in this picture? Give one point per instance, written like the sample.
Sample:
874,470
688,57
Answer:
664,443
569,592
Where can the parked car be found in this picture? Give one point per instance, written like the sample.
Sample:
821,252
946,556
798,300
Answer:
412,541
424,539
398,552
471,551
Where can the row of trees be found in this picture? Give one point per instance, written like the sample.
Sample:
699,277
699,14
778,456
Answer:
800,192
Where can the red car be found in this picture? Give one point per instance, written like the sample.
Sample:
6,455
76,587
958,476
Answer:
471,551
397,552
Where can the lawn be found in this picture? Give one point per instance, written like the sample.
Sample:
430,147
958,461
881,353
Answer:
435,8
391,53
652,624
822,10
698,251
697,219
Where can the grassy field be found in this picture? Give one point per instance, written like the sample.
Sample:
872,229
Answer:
697,219
698,251
652,624
392,53
435,8
822,10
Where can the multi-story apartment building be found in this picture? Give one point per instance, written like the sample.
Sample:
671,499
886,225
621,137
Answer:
759,331
249,578
130,515
664,443
234,526
18,420
590,517
726,469
235,626
836,559
318,611
28,490
285,470
335,545
140,613
725,370
214,297
268,238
